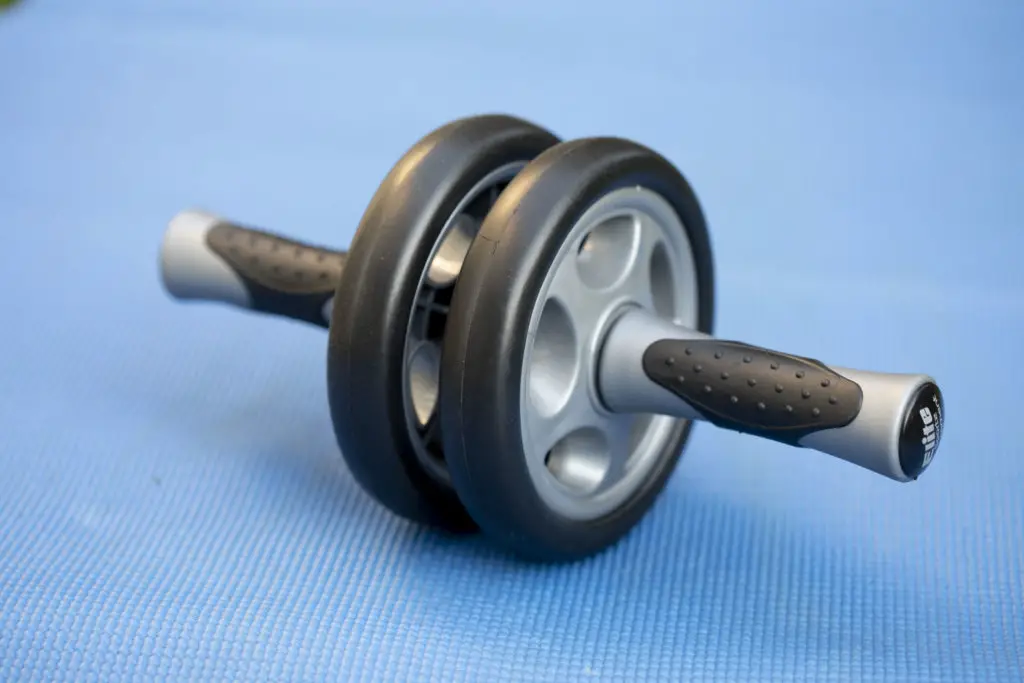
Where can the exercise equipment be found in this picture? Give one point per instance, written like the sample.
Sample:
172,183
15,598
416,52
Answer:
520,338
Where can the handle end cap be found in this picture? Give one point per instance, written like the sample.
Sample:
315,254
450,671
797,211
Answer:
921,430
190,269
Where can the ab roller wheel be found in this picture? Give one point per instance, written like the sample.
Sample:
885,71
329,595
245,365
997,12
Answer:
385,301
520,339
389,312
592,230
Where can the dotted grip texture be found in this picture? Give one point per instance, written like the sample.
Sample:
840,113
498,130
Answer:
753,390
282,276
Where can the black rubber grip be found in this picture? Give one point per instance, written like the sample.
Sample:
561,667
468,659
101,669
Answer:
282,276
753,390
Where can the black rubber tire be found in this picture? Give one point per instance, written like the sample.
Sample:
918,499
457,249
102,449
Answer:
375,299
487,328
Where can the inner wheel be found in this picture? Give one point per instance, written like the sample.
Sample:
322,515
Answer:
425,334
628,250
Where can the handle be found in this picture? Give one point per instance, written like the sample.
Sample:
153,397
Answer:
888,423
207,258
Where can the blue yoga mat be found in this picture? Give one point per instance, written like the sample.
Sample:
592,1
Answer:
173,506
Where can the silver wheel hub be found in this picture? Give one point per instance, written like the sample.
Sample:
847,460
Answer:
629,249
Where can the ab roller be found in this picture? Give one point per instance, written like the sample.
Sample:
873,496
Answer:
520,339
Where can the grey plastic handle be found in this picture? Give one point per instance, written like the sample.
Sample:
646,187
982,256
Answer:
888,423
207,258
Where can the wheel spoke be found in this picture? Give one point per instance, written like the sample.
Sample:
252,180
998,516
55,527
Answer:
618,431
572,446
546,432
637,282
585,306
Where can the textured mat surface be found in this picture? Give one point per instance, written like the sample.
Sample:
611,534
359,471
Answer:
171,502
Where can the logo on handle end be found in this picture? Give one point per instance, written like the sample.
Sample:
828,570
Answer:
921,431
